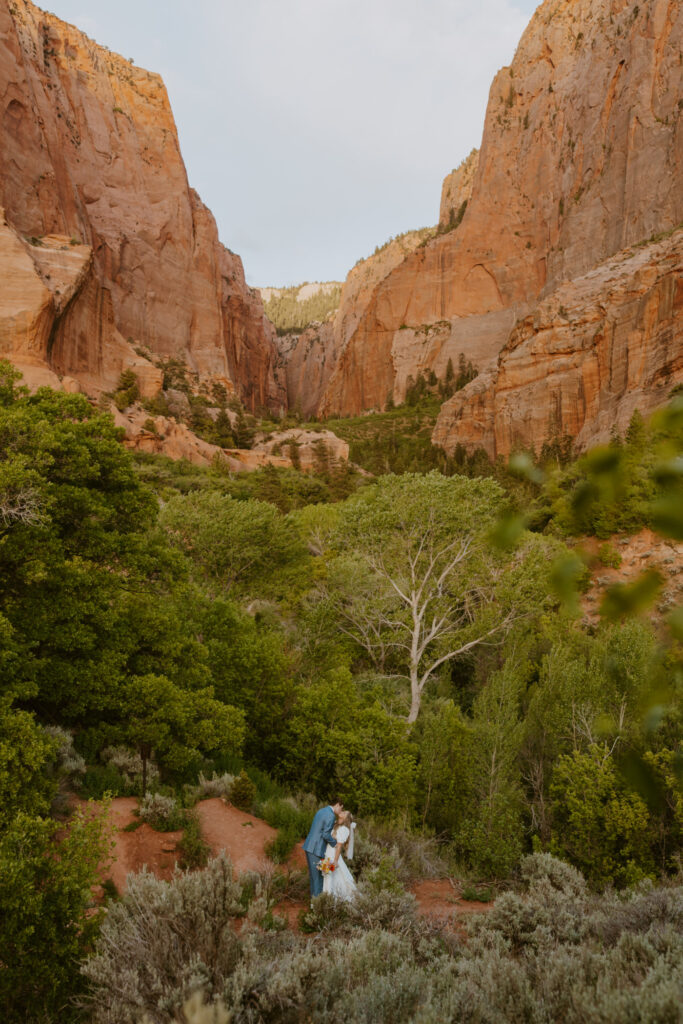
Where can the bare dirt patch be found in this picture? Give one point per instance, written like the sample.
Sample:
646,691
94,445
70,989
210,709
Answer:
438,899
642,551
241,835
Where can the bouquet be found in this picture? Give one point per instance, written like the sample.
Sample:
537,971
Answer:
326,866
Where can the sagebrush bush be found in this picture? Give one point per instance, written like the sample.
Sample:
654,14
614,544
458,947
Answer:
162,812
413,856
129,765
162,942
554,952
69,762
217,785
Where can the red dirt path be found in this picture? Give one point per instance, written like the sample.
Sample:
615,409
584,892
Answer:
244,837
436,898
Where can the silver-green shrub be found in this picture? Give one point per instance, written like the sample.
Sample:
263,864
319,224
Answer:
161,812
129,763
163,942
554,952
217,785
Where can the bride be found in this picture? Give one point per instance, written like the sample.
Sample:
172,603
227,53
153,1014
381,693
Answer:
339,883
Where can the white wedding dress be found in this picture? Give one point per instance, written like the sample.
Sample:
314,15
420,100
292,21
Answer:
339,883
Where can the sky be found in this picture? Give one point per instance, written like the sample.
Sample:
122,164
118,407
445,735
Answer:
315,129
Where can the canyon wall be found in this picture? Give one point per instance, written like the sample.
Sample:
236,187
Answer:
581,158
89,154
308,361
456,190
597,348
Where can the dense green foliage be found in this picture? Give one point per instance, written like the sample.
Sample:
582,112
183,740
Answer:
291,314
178,620
45,929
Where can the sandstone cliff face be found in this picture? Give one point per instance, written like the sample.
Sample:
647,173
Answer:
55,317
308,361
599,347
456,190
582,156
89,151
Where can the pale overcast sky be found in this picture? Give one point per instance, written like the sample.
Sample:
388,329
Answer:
315,129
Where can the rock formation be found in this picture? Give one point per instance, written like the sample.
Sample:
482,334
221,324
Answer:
308,361
89,153
581,158
599,347
309,450
456,191
305,364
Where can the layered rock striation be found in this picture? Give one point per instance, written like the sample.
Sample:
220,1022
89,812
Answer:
581,158
89,152
597,348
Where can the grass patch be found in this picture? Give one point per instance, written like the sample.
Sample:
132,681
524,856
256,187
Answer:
473,895
194,850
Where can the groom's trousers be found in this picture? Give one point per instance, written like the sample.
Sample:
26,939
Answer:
315,876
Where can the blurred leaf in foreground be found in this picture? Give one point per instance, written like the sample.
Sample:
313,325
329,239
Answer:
507,530
566,577
523,465
623,599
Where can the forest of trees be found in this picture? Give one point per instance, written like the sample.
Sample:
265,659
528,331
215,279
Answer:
424,624
291,314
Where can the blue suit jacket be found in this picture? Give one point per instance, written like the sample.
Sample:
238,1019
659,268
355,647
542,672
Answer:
321,832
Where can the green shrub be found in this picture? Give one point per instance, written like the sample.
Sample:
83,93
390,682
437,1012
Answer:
99,779
599,824
383,878
474,895
46,921
279,848
609,556
194,850
162,812
285,814
127,390
242,792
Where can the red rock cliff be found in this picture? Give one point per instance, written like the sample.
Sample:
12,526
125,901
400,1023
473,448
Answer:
581,157
89,151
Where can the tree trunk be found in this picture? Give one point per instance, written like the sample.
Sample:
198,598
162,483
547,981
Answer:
414,705
145,751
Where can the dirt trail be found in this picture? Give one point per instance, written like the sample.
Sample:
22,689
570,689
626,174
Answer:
244,838
241,835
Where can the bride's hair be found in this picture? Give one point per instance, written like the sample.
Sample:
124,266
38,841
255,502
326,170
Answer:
345,818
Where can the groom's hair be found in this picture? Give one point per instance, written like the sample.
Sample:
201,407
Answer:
335,800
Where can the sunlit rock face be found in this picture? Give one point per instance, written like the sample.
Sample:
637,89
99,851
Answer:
597,348
456,190
89,152
581,158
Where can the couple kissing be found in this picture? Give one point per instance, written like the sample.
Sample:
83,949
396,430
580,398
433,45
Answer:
331,836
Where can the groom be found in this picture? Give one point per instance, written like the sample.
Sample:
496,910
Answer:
316,841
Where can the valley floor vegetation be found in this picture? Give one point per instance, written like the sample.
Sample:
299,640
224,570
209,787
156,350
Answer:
413,642
552,951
